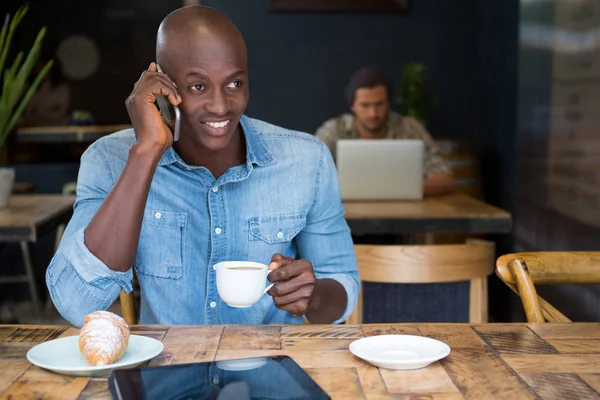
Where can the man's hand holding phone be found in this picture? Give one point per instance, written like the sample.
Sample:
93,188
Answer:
150,127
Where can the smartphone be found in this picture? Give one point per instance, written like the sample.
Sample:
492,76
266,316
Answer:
269,377
170,113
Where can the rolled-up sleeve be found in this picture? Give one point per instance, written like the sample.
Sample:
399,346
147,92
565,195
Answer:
79,282
326,241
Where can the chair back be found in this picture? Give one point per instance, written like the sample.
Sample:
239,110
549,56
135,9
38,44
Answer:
521,272
472,261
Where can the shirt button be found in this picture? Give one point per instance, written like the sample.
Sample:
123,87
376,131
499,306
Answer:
218,231
215,380
279,235
158,215
215,189
213,304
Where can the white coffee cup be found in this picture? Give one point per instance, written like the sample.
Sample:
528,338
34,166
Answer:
241,283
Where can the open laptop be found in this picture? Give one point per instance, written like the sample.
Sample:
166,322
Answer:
380,169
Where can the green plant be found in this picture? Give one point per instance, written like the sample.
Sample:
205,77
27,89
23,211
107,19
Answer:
414,95
15,94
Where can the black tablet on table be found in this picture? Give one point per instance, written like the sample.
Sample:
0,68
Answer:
271,377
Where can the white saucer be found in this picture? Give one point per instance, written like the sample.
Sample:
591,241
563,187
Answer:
399,351
63,356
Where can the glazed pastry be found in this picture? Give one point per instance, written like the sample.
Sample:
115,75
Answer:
103,338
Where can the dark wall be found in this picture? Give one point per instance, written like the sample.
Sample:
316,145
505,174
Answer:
123,31
301,62
495,119
494,96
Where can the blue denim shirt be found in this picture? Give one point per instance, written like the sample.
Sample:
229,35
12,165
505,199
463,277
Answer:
284,199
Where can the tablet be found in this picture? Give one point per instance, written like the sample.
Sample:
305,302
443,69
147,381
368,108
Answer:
273,377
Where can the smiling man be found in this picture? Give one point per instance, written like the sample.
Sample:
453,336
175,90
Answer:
231,188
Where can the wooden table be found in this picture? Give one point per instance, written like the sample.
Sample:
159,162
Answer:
489,361
28,217
456,213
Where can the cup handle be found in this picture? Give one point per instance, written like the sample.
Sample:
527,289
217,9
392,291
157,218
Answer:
269,287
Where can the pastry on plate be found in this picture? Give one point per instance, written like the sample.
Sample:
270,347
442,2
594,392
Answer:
103,338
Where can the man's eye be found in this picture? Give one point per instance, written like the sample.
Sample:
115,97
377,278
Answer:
235,84
197,88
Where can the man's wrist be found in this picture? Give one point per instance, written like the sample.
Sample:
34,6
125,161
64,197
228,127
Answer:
142,151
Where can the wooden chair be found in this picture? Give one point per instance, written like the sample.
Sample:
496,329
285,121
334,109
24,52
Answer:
128,308
473,261
522,271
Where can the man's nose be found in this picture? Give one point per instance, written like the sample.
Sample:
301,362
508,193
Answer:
217,103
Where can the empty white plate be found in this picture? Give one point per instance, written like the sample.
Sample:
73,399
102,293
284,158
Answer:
399,351
63,356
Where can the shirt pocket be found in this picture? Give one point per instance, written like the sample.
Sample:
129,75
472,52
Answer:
277,228
160,250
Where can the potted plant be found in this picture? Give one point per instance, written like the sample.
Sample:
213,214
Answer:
15,88
414,95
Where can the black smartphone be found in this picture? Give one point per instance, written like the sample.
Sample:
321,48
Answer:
271,377
170,113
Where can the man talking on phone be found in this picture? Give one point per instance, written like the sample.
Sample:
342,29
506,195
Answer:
231,188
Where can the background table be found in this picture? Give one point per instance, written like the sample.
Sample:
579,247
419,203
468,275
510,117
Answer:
68,133
457,213
26,218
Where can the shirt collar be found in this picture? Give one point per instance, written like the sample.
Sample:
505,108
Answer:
256,150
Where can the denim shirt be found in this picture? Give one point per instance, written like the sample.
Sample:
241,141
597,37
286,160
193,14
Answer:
284,199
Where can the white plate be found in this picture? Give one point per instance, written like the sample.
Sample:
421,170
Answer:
399,351
63,356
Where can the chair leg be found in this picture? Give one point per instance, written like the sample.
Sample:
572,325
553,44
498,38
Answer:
30,277
484,300
478,302
128,308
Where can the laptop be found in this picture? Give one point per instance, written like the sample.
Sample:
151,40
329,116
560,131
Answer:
380,169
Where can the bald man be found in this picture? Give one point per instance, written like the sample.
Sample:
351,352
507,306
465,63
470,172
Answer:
231,188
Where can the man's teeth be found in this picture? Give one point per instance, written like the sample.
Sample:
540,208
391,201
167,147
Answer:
218,124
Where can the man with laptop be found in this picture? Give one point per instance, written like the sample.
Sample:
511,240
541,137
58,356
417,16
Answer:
415,162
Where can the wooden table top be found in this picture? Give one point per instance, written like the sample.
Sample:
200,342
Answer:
488,361
27,214
456,213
